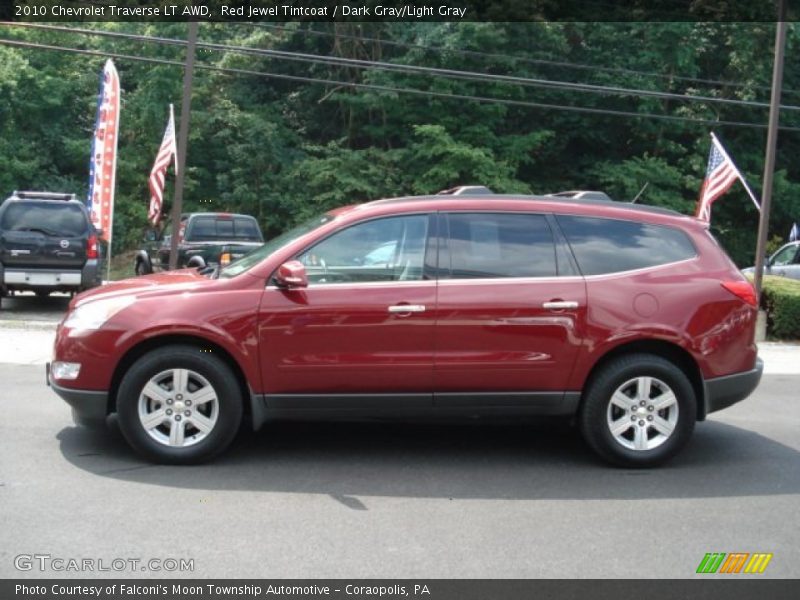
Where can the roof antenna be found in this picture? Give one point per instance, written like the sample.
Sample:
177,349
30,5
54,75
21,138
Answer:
641,191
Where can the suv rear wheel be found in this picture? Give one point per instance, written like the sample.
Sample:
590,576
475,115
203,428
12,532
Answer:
639,411
179,405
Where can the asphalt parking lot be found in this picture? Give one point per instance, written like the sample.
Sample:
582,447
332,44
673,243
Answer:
396,500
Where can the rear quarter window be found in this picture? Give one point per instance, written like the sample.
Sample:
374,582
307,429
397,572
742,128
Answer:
604,246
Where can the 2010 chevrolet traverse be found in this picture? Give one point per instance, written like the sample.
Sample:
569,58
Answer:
630,319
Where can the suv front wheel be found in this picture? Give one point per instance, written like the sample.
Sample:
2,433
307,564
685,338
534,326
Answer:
638,411
179,405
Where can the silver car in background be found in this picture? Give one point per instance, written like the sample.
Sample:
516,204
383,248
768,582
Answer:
785,262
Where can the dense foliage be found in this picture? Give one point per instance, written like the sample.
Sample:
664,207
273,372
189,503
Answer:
781,300
280,148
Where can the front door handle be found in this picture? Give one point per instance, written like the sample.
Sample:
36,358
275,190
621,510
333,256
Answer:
560,305
407,308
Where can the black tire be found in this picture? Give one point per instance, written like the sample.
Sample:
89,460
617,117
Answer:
623,374
141,268
202,365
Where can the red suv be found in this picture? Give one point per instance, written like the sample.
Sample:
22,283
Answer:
630,319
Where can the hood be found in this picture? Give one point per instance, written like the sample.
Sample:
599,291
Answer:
168,282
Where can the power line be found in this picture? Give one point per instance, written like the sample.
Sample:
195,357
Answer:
514,57
415,69
481,99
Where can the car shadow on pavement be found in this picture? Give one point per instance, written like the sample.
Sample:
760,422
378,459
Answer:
30,307
456,461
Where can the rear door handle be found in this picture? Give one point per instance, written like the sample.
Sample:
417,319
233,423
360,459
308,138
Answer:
407,308
560,305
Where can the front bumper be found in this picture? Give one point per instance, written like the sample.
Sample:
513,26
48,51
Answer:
722,392
89,407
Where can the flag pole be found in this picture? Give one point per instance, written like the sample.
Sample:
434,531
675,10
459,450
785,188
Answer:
772,142
721,148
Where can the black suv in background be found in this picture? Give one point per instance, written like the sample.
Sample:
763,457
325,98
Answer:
47,244
205,240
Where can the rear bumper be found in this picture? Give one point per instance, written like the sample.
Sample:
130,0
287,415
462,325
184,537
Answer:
88,406
722,392
34,278
39,278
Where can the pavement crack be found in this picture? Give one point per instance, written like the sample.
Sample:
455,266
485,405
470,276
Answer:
124,469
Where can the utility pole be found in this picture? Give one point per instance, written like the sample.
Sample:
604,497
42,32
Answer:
772,140
183,139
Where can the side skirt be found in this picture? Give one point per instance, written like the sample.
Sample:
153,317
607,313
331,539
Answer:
345,407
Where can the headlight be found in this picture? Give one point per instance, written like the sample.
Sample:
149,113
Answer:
93,315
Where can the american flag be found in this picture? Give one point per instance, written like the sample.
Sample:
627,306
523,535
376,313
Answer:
166,154
720,175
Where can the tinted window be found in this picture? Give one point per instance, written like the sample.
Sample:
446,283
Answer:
52,218
221,228
204,228
610,245
390,249
225,228
500,245
246,229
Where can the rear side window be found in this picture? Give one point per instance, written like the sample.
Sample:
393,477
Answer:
51,218
500,245
611,246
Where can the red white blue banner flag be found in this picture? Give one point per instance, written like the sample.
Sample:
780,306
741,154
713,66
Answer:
103,163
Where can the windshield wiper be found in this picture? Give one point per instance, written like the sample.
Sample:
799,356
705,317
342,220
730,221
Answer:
40,230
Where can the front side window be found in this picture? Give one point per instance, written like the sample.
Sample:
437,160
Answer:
388,249
784,256
500,245
604,246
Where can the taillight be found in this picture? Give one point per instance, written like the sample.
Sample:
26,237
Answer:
225,259
743,290
91,247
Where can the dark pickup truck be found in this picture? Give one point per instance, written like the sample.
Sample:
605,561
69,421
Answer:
205,240
47,244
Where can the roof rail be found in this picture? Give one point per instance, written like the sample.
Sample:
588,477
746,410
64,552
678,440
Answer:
44,195
583,195
467,190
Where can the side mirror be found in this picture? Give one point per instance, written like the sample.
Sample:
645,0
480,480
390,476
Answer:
291,275
150,235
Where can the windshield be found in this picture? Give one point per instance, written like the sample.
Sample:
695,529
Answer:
249,261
